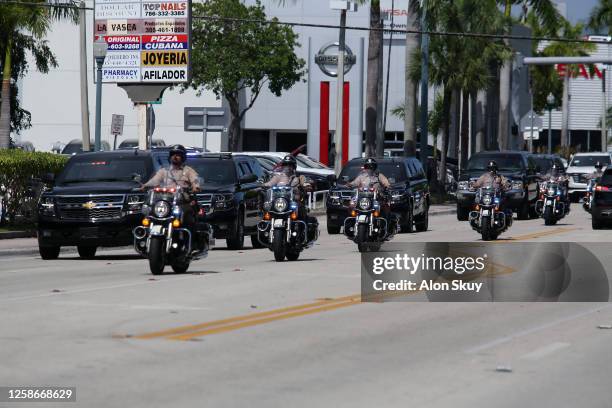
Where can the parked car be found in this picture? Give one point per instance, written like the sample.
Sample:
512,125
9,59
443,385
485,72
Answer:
231,195
518,166
304,163
25,146
133,143
93,202
409,193
320,181
76,146
601,205
580,166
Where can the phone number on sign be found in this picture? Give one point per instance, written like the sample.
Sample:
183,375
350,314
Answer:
39,394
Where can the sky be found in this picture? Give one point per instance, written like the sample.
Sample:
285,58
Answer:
579,10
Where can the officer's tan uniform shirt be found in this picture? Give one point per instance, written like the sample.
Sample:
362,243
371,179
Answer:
184,176
497,181
365,179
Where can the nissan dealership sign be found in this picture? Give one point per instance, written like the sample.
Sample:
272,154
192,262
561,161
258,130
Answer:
327,59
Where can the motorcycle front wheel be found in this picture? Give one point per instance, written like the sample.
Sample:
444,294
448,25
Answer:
278,245
487,233
549,217
157,255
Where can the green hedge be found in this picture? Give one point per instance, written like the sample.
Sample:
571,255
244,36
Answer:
20,174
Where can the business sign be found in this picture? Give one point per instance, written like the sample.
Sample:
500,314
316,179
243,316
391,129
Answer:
398,11
327,59
148,40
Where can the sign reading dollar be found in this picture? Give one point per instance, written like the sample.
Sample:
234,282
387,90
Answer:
149,41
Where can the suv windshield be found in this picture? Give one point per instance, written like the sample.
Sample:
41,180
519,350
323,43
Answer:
505,162
214,171
590,160
393,171
104,169
544,163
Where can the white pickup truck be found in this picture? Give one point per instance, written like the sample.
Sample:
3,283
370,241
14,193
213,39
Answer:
580,167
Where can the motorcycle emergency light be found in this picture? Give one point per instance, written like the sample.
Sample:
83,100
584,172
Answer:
145,222
176,223
376,213
267,216
602,188
294,216
353,213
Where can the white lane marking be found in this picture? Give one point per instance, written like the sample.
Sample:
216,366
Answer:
545,351
506,339
93,289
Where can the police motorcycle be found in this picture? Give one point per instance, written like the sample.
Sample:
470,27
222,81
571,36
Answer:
550,206
587,201
488,219
162,237
365,226
281,230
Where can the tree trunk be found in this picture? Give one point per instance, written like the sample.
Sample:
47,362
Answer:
565,118
410,95
5,107
465,130
445,134
480,121
233,133
455,112
505,81
374,50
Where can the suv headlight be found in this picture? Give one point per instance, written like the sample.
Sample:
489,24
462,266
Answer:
280,205
161,209
365,203
463,185
47,205
517,185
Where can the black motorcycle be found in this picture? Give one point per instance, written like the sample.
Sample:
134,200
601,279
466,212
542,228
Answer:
365,226
587,201
281,230
488,219
550,205
163,238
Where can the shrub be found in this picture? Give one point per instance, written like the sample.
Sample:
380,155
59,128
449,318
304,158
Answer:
20,174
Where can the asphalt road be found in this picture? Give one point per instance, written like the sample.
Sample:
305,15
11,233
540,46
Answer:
242,330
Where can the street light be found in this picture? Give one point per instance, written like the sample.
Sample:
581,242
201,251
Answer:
550,103
99,51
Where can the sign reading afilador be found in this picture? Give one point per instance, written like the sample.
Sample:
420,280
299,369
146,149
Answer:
148,40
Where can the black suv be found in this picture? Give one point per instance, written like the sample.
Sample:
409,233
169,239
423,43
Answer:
231,195
93,202
601,209
409,193
520,167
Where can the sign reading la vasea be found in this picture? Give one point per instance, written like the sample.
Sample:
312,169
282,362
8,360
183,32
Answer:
149,41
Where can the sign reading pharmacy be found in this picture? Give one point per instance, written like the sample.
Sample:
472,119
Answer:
149,41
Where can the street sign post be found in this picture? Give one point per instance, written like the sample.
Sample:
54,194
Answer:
116,127
202,119
531,124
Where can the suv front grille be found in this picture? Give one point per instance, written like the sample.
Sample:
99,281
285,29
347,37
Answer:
83,214
90,207
579,178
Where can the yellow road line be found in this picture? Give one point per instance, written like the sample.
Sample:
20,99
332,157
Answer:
540,234
242,318
248,323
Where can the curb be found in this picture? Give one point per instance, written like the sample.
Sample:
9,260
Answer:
17,234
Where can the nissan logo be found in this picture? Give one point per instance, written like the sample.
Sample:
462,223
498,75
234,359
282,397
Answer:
327,59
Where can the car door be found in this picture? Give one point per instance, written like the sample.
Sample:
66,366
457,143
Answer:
532,179
418,184
250,193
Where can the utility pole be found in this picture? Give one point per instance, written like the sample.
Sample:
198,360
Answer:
340,94
424,84
83,72
604,124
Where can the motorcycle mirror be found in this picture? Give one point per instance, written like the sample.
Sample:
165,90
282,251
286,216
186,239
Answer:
137,177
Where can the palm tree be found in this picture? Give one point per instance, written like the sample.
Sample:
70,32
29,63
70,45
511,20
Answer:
410,100
601,16
24,27
557,48
550,20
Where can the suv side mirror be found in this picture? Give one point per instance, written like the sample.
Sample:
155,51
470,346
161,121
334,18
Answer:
48,178
250,178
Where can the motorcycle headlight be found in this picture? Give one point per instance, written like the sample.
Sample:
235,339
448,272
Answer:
486,199
517,185
365,203
463,185
161,209
280,205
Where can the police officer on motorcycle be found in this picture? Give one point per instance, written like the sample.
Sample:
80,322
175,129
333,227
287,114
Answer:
369,177
179,174
596,175
285,176
492,178
555,175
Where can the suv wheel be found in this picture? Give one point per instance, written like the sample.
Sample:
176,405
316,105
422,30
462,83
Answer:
49,252
523,212
408,224
463,213
331,228
422,221
87,252
235,237
596,224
